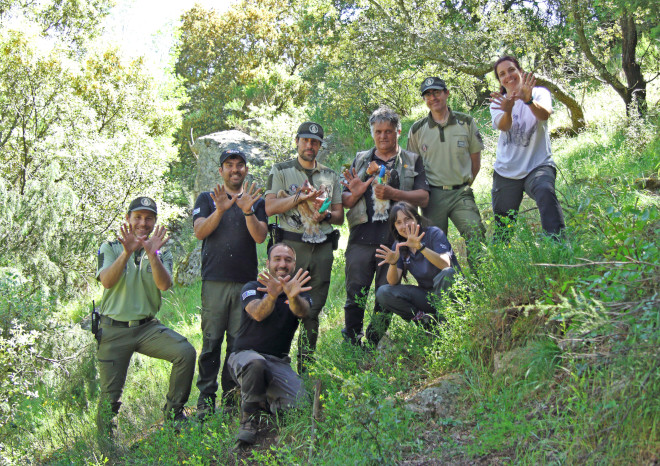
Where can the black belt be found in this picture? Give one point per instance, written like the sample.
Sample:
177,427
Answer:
118,323
449,188
291,236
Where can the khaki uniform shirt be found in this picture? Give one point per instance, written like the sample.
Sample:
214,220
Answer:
284,180
135,296
446,150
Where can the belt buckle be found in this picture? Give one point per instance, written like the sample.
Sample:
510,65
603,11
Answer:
133,323
447,188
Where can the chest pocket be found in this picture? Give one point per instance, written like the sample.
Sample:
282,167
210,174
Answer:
408,178
460,147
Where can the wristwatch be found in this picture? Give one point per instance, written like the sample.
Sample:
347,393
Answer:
531,99
328,216
422,247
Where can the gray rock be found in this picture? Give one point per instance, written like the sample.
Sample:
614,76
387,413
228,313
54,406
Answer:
209,148
438,399
189,269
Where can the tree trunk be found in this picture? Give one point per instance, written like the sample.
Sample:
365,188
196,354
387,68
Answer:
574,109
636,85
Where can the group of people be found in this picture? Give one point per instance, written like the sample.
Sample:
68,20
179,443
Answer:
382,192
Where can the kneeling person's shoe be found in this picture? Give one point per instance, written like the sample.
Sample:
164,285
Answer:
247,431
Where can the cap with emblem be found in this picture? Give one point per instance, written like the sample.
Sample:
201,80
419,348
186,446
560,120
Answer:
143,203
432,83
229,153
310,130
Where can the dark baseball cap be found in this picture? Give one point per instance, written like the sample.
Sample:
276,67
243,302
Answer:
432,82
143,203
229,153
310,130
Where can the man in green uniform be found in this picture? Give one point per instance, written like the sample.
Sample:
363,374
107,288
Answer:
133,272
450,144
301,225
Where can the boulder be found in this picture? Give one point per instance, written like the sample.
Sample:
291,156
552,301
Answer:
189,270
208,149
439,398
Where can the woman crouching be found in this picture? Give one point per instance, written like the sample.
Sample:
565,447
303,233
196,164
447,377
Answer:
425,252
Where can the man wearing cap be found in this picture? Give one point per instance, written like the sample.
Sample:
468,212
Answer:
286,197
133,270
367,197
230,221
450,144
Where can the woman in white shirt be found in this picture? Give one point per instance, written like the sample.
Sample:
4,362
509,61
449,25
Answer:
523,161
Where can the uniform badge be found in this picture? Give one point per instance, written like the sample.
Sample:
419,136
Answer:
313,129
196,211
424,147
429,81
145,202
461,144
293,188
248,293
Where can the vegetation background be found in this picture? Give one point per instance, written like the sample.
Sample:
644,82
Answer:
85,127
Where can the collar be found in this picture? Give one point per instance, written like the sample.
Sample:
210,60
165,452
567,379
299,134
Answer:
451,120
301,168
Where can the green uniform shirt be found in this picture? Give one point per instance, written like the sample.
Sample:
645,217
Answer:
288,176
446,151
135,296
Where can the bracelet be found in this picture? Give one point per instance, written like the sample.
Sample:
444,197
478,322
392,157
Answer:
423,246
249,213
531,99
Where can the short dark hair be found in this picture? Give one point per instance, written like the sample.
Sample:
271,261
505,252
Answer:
502,60
270,250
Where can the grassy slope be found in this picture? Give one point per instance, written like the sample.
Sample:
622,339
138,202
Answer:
584,388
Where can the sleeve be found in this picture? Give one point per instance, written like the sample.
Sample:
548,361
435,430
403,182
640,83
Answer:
476,142
203,206
336,191
307,297
437,241
106,256
249,293
412,144
420,180
495,115
543,97
275,181
260,210
167,260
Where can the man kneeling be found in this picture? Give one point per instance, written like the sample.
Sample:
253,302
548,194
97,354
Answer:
260,363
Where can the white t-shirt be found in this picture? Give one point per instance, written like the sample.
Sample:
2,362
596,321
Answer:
527,144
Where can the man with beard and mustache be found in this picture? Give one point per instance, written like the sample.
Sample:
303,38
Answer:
285,195
134,270
230,221
260,363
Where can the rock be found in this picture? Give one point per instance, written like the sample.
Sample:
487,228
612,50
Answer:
190,268
511,362
438,399
209,148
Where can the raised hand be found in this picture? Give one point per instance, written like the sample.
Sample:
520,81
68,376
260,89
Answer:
354,184
293,286
128,239
503,102
414,237
528,83
152,244
271,285
222,202
388,256
248,198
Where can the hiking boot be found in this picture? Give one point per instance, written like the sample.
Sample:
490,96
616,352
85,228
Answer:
179,421
247,432
205,407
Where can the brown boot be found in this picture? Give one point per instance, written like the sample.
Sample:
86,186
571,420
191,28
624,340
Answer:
247,431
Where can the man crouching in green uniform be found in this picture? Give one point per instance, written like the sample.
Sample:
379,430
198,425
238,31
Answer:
133,272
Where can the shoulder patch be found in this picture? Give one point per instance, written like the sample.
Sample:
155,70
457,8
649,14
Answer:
196,211
248,293
418,125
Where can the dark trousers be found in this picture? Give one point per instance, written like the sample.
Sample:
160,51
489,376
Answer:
539,184
361,268
406,301
221,315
